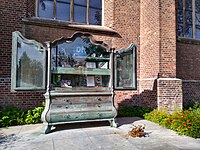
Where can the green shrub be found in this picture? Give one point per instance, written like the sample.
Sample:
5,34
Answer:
156,116
191,104
185,122
11,116
34,116
133,111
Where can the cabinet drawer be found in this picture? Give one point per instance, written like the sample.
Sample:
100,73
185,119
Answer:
81,100
87,107
78,116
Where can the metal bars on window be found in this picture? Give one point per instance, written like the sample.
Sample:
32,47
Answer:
74,11
189,18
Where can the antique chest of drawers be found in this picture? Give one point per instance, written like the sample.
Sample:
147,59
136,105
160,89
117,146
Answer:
80,82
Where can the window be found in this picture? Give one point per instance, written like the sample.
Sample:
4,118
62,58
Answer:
125,68
189,18
75,11
28,64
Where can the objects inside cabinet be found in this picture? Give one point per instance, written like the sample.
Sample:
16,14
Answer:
80,80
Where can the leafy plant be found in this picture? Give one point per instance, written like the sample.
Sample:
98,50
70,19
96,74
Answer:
11,116
156,116
185,122
34,116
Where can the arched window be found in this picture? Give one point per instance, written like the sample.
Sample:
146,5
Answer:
74,11
188,17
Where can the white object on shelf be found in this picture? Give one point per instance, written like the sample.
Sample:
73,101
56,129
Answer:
90,65
90,81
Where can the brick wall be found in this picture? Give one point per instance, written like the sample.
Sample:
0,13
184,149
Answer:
127,24
11,13
188,62
191,92
148,24
169,93
169,88
149,39
167,38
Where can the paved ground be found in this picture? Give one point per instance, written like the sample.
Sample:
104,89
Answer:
95,136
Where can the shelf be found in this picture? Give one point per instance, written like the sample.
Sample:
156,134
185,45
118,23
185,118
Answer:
81,71
86,58
85,92
97,59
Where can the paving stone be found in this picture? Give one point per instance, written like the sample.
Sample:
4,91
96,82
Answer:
44,145
102,137
112,142
78,143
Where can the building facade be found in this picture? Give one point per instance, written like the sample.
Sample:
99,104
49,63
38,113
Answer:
167,71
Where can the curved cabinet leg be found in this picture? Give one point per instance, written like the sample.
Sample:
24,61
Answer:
46,129
113,123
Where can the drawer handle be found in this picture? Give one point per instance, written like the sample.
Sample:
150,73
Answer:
67,116
99,105
68,101
99,99
100,115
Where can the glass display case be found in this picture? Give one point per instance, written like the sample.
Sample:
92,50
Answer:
80,65
79,81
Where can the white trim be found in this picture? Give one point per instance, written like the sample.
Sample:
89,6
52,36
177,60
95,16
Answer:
102,13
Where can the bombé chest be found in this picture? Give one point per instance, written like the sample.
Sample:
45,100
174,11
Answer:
80,82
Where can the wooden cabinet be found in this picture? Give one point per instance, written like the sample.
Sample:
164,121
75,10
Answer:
80,82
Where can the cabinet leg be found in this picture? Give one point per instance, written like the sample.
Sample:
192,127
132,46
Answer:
113,123
46,129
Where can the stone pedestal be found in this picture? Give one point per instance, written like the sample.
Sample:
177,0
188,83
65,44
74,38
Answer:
169,94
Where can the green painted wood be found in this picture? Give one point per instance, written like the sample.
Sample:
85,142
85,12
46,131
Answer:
81,71
66,117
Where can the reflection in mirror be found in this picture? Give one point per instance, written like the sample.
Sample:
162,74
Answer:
28,64
81,62
80,10
63,10
45,8
95,12
77,53
125,68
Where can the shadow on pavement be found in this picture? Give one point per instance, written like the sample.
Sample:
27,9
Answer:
6,140
127,120
80,125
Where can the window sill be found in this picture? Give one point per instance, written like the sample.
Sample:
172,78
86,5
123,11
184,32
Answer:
66,25
188,40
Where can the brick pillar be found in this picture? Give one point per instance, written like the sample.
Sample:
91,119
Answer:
167,39
169,88
169,94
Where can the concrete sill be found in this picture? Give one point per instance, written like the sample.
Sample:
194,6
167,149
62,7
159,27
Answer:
188,40
67,25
